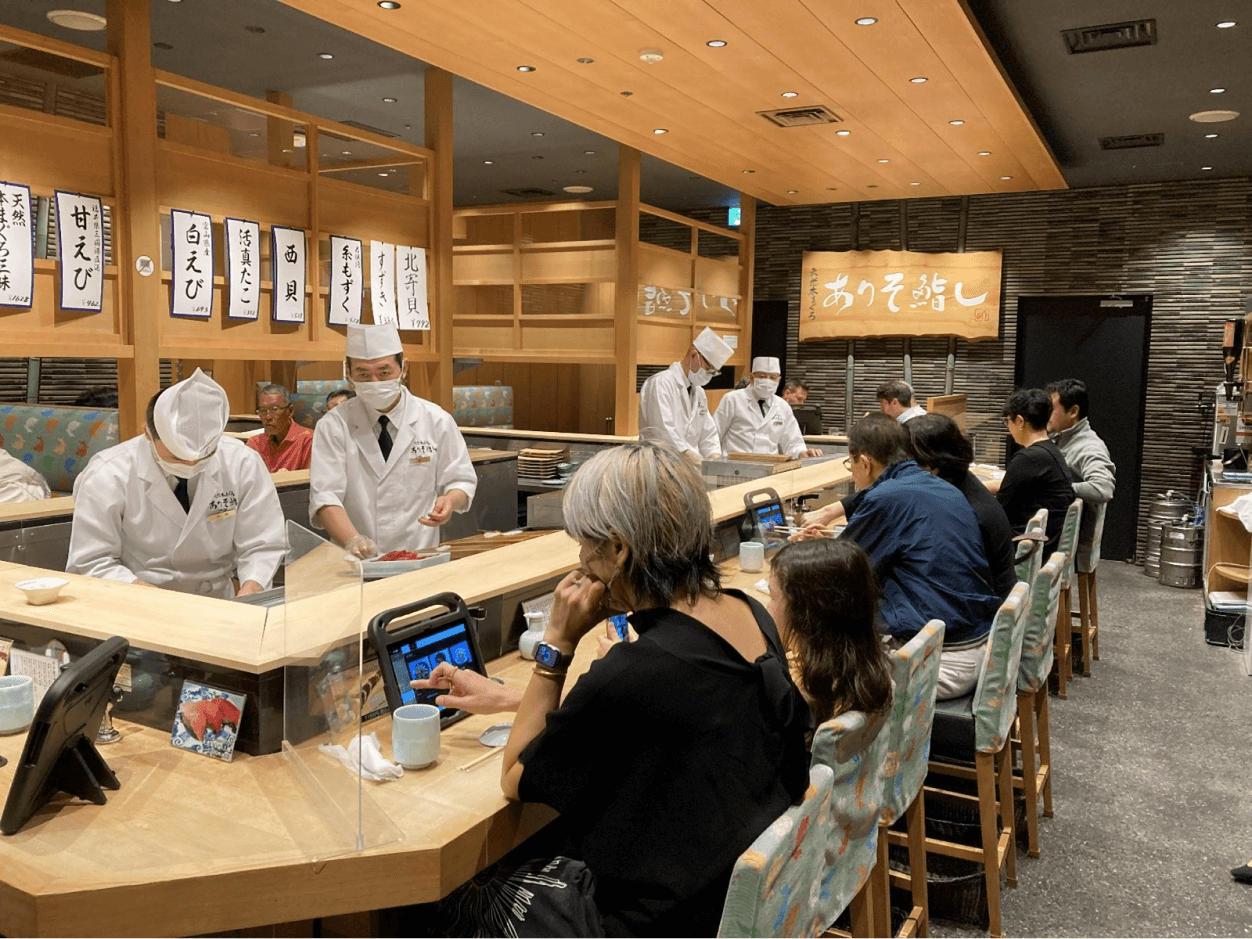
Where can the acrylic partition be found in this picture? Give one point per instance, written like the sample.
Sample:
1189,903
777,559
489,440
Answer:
324,804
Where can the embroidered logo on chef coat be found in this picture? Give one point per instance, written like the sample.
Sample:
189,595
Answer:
421,451
223,505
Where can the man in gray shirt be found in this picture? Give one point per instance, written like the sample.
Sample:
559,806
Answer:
1081,446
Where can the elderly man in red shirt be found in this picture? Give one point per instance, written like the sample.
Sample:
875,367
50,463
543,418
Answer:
283,444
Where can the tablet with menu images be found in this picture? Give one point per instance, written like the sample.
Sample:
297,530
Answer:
414,649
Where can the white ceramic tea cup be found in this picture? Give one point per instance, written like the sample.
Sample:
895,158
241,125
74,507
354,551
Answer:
42,590
17,703
751,556
415,735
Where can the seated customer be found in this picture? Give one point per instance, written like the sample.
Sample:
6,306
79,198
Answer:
338,397
1037,476
19,482
673,752
823,597
923,539
284,444
942,450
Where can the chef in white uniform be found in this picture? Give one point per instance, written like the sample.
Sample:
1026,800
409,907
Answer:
673,408
388,468
756,420
179,506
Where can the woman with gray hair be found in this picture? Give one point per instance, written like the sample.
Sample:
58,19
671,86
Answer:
674,751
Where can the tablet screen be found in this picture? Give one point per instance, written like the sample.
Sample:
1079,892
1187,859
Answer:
770,516
417,656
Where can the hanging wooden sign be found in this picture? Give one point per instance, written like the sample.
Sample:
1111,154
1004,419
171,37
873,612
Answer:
243,269
856,294
17,247
411,284
191,280
287,257
345,281
383,282
80,245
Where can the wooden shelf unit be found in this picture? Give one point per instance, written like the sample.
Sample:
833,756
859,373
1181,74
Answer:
1227,544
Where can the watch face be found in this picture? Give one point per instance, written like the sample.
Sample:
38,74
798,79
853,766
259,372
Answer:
546,655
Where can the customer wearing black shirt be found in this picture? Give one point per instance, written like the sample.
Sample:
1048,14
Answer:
1037,476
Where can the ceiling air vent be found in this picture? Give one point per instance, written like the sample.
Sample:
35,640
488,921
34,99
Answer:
359,126
801,117
1110,36
1132,141
532,192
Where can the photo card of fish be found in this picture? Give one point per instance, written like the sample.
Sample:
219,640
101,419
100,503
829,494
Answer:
208,720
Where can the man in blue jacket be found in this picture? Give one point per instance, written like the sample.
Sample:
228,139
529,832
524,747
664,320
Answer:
923,539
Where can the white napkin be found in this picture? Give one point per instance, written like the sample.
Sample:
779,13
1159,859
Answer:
763,586
373,764
1241,509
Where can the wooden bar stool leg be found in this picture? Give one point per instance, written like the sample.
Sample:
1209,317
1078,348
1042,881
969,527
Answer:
915,819
985,767
1008,831
882,886
1045,747
1084,623
1095,615
861,911
1062,643
1026,725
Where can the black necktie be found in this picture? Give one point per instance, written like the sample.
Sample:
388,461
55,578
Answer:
762,404
180,493
384,438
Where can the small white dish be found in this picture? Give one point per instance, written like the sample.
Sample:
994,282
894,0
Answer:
41,590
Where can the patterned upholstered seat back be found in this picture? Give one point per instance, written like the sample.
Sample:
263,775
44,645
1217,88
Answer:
776,888
56,441
995,698
1090,534
1069,540
483,405
1038,639
915,672
1030,553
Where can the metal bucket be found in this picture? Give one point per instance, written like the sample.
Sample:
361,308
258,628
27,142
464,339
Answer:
1182,555
1165,509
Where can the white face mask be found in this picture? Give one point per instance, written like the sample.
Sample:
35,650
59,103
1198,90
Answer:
700,377
378,394
181,470
764,387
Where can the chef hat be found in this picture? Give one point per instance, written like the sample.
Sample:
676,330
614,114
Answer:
713,348
373,342
767,364
190,416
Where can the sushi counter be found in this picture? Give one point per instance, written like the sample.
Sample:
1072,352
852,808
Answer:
192,845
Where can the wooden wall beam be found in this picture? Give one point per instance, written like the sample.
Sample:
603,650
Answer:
136,226
626,337
438,108
747,271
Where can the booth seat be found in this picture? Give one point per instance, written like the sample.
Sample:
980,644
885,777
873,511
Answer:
56,441
472,405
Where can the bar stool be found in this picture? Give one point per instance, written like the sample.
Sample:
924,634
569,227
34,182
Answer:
1088,625
1029,557
1064,634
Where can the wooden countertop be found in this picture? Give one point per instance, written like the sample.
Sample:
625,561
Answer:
509,432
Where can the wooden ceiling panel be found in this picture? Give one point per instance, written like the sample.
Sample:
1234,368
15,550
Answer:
708,98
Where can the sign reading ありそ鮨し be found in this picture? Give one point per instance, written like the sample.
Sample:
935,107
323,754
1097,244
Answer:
857,294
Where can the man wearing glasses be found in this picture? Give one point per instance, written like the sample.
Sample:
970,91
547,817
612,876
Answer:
284,444
673,408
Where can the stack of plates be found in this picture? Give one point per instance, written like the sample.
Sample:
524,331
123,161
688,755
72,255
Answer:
536,463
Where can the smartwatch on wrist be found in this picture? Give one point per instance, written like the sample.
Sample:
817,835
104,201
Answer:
549,656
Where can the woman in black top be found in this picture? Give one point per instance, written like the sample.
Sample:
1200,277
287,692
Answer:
1037,477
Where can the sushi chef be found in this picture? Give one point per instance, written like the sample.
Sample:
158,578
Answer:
755,420
388,467
673,408
179,506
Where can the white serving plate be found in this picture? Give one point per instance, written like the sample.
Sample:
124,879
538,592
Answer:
390,568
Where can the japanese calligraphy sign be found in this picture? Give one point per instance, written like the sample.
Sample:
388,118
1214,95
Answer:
854,294
17,248
288,266
346,279
383,282
80,235
243,269
191,293
663,301
411,287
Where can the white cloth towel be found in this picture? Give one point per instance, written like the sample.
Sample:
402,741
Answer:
1241,509
372,765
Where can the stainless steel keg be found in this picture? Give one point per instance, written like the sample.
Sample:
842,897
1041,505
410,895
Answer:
1165,509
1182,554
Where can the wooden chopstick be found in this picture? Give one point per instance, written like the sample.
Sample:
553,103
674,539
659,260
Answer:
480,759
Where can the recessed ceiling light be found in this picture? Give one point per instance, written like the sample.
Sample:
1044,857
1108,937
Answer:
627,94
790,94
585,61
884,161
984,153
254,134
842,133
832,188
578,189
1210,136
382,174
77,19
715,43
1213,117
1006,177
346,152
389,4
651,56
488,162
866,20
1206,167
525,68
162,45
255,29
914,184
792,192
1217,91
919,80
661,130
589,152
536,133
326,55
389,100
1226,24
872,186
956,123
749,171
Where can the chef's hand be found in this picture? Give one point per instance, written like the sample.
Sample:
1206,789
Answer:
439,513
142,583
812,451
469,690
247,587
361,547
577,605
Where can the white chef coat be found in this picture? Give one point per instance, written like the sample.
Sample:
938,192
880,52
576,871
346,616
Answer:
19,482
670,414
744,429
385,501
128,523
